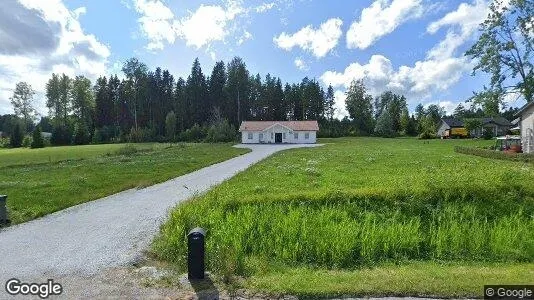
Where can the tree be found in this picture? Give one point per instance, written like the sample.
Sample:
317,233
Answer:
359,107
330,103
15,140
37,138
135,72
237,108
405,121
384,125
472,124
170,126
504,50
22,101
82,102
196,95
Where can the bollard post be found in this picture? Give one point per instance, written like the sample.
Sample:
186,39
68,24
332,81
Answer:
196,254
3,210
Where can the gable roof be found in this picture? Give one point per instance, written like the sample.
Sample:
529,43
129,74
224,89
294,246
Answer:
453,122
293,125
497,120
524,108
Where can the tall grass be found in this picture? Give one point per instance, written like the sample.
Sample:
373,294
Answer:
410,203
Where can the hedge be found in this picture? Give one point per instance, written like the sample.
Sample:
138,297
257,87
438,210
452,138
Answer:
524,157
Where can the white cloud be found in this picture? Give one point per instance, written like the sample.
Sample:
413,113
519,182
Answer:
68,48
157,23
381,18
245,37
317,41
264,7
463,23
301,64
418,82
340,108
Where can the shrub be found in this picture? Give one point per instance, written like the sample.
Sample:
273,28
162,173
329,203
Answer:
126,150
141,135
27,141
37,138
221,132
81,134
97,137
17,136
61,135
488,134
194,134
170,126
525,157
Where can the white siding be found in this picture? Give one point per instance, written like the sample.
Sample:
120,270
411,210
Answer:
442,128
527,130
269,135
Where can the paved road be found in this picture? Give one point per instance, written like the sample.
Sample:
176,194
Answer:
109,232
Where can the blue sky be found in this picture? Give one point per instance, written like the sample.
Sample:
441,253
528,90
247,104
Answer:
413,47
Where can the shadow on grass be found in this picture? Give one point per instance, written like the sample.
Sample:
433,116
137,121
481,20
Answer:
205,289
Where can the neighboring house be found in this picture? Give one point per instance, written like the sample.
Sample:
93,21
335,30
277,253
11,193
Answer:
451,127
527,127
279,132
46,135
498,125
454,127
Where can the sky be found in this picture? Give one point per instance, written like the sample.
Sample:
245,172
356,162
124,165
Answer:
411,47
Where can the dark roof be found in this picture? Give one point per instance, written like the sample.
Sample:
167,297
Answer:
453,122
497,120
520,112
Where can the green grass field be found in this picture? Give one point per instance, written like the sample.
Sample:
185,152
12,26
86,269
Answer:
328,221
42,181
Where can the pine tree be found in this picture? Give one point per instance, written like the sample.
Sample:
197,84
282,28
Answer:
37,138
15,140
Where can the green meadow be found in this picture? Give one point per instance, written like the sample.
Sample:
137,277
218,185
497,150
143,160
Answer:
333,220
42,181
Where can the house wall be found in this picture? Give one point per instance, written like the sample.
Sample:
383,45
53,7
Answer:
288,136
442,128
527,130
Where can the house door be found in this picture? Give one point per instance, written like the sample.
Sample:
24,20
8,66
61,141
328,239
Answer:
278,138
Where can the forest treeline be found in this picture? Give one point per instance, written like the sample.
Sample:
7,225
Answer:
151,105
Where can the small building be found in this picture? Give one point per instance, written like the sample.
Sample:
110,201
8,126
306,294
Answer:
46,135
279,132
451,128
526,115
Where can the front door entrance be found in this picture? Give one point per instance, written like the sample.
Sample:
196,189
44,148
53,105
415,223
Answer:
278,138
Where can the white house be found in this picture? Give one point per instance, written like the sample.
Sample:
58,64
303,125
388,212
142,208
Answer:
527,127
279,132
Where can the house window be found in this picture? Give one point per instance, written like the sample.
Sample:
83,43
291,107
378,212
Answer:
307,136
250,135
296,135
284,135
272,135
261,136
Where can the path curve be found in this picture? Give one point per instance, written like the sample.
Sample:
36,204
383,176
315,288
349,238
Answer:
109,232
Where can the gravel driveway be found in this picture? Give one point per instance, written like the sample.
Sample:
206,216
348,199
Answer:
109,232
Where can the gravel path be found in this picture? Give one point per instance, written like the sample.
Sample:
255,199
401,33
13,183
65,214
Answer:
113,231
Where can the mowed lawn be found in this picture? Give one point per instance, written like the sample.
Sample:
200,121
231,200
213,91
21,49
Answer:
366,216
42,181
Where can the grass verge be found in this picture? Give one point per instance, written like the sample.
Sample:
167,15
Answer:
79,174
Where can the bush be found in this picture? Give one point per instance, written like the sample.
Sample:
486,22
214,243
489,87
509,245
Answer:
524,157
61,135
4,142
37,138
194,134
127,150
81,134
141,135
221,132
426,135
488,134
27,141
97,137
17,136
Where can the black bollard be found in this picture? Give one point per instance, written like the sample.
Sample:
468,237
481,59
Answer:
196,254
3,210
